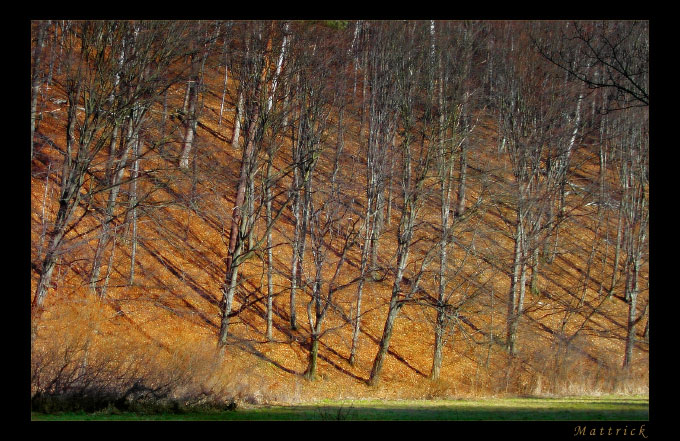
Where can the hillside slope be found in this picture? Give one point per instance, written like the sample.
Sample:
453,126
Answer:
166,321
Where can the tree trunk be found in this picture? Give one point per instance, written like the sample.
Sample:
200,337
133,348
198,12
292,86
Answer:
299,238
363,96
631,325
360,288
377,223
389,188
226,78
43,219
240,224
279,66
395,303
228,300
133,209
237,122
617,250
71,182
270,259
514,300
236,218
384,344
460,203
297,201
36,76
294,259
310,372
189,123
445,183
440,327
533,283
191,113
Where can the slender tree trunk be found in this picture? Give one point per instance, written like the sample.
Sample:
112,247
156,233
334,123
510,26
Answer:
360,288
279,66
111,170
243,185
270,259
384,344
250,213
377,223
316,317
389,188
437,358
368,247
631,326
43,230
395,303
533,283
514,300
161,145
239,223
306,200
36,76
71,182
226,78
355,58
228,299
460,203
310,372
303,182
237,121
239,228
189,123
297,201
68,201
445,183
294,262
617,249
133,209
191,113
53,52
363,96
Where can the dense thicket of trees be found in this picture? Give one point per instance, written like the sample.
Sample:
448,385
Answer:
409,205
113,73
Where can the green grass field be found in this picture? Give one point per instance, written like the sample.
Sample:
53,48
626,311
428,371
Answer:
609,408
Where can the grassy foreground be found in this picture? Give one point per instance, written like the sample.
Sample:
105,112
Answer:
608,408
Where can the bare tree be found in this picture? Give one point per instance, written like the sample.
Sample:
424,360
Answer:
450,45
278,110
416,161
311,56
253,73
330,228
382,116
